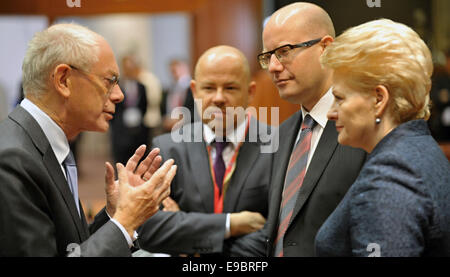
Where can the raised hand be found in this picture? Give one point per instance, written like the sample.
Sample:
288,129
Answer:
137,174
136,204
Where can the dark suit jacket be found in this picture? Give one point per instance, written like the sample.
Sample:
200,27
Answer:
332,170
400,201
38,215
196,229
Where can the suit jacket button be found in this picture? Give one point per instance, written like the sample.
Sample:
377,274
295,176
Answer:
291,243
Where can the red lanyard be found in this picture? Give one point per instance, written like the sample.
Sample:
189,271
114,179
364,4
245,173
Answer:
218,197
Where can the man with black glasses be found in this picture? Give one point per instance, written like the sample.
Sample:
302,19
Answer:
311,171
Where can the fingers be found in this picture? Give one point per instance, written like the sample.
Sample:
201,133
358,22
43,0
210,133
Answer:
122,172
260,221
160,181
147,164
132,163
160,174
165,188
170,205
152,168
109,174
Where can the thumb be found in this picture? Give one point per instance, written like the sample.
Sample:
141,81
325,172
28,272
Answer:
109,175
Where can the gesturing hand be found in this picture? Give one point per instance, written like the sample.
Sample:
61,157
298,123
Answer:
136,204
137,174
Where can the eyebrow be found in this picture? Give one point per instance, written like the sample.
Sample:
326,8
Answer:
232,84
112,72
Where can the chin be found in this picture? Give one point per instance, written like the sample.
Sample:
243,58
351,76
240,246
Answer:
342,140
101,128
290,96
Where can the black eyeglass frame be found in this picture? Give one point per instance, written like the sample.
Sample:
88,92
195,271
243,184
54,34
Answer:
265,65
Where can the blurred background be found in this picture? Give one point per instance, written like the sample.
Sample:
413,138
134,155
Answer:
163,39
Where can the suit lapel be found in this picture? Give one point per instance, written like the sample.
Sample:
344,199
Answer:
322,155
22,117
199,158
246,158
85,226
55,172
288,134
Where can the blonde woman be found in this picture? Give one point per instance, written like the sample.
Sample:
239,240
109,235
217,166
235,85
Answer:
400,203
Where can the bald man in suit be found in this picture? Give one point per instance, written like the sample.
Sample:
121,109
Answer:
294,38
207,216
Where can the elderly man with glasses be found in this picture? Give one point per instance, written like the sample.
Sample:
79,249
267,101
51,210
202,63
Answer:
311,171
70,79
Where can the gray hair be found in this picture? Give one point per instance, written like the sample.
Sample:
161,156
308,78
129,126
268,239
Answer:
67,43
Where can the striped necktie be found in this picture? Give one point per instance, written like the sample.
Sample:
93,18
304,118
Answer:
294,178
72,177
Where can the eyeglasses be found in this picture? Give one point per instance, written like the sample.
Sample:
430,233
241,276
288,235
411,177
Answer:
282,52
112,82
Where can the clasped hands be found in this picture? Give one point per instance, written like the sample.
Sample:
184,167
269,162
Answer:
140,188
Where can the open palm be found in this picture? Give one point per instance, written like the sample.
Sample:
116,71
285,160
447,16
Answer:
138,173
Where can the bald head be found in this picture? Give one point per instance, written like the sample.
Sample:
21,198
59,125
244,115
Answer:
305,17
222,81
299,77
222,54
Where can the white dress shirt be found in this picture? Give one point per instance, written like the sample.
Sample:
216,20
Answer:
319,114
236,136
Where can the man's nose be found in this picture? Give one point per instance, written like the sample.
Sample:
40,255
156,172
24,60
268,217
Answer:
219,96
274,64
116,94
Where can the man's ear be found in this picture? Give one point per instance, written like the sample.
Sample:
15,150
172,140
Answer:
193,89
251,91
326,40
60,79
382,99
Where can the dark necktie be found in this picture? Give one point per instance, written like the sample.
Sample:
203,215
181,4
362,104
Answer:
294,179
219,164
72,177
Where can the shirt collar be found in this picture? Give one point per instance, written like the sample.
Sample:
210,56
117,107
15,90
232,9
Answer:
320,110
55,135
236,136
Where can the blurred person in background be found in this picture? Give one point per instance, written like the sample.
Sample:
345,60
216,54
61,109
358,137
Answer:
179,94
128,130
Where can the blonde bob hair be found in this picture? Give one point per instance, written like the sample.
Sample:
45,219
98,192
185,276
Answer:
383,52
67,43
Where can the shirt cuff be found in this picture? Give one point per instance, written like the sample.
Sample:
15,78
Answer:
227,227
130,241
